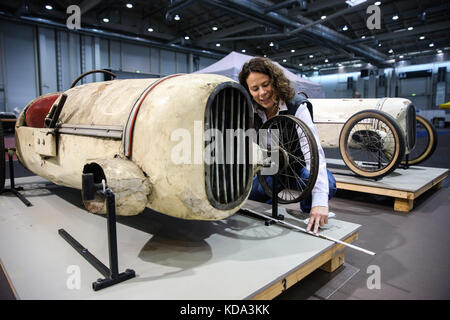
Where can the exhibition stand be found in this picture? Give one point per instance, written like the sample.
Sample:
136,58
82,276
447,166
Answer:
234,258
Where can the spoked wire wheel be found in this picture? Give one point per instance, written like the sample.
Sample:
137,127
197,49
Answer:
426,142
297,151
2,159
372,143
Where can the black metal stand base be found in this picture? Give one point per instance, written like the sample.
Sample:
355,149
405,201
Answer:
13,188
112,275
406,165
275,214
109,279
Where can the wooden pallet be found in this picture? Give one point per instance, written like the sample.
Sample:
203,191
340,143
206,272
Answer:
328,261
404,185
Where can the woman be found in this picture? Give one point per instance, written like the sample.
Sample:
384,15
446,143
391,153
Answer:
272,94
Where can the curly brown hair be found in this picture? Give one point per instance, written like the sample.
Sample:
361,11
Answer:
280,82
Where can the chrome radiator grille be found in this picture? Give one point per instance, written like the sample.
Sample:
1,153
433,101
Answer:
228,171
411,126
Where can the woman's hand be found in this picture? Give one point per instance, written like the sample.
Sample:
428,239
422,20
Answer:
317,216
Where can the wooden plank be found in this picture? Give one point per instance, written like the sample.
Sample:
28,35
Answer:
435,182
438,185
373,190
10,291
403,205
406,205
298,274
337,261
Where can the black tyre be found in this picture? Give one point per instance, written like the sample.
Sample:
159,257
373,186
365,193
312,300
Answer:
297,147
2,159
426,142
372,144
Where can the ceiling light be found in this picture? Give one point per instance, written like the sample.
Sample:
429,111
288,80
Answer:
187,37
377,3
265,56
271,44
431,44
293,50
129,5
344,28
339,64
215,28
300,64
363,37
48,7
410,28
177,17
284,60
422,37
150,29
106,20
391,51
439,51
401,57
315,68
323,17
395,17
311,56
217,44
379,44
243,50
326,60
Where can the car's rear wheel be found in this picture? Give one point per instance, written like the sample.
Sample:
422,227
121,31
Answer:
372,144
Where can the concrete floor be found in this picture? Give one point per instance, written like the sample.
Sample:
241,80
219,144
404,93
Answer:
413,249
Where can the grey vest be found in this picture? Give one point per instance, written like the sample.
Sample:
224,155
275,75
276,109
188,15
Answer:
292,106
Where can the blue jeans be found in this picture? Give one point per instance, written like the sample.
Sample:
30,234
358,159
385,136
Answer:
257,193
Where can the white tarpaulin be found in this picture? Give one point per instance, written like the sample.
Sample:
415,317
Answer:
231,65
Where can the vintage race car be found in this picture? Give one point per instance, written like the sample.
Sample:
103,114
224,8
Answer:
131,135
373,135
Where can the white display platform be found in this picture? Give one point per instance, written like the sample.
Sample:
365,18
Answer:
404,185
235,258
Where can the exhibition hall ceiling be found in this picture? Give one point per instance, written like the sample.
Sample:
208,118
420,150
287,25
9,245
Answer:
304,35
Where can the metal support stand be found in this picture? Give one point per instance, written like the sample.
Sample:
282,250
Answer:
275,214
13,188
406,165
112,275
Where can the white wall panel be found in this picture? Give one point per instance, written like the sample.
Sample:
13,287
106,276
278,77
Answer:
205,62
115,53
47,60
87,58
104,54
167,62
66,80
2,75
74,56
135,58
19,64
182,62
154,61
